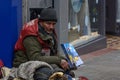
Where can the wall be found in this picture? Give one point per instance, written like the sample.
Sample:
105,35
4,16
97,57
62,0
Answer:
10,14
28,4
61,7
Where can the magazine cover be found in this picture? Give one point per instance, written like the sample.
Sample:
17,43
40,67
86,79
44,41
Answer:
73,58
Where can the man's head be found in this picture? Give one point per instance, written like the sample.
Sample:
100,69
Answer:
48,14
48,19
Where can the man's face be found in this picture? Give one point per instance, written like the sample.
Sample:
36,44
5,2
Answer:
48,26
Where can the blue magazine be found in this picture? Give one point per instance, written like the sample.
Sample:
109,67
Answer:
73,58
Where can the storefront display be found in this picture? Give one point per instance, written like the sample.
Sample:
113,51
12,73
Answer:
92,27
87,30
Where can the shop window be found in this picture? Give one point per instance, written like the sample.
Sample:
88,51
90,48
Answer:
83,25
117,28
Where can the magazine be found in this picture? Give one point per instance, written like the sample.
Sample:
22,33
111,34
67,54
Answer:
73,58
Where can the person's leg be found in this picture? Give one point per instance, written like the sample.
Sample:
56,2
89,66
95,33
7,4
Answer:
42,73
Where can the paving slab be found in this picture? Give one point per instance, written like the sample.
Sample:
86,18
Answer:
102,67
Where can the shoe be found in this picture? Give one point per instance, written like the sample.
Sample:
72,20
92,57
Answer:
72,74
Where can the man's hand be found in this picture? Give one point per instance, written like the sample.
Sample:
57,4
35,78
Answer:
64,64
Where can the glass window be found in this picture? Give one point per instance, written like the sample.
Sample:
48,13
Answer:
117,27
83,21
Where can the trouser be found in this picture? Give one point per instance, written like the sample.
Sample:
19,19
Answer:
45,73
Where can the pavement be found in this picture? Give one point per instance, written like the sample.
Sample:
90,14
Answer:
100,65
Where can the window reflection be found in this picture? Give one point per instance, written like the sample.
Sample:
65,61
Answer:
83,24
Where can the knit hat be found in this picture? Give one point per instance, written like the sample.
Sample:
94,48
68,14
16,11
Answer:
48,14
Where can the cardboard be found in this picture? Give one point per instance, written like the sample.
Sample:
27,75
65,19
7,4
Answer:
71,54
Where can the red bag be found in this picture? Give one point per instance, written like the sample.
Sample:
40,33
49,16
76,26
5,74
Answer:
1,65
83,78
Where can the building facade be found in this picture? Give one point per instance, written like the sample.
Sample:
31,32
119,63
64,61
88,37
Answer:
80,22
83,23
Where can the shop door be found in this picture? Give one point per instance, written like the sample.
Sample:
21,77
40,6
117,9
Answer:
110,16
